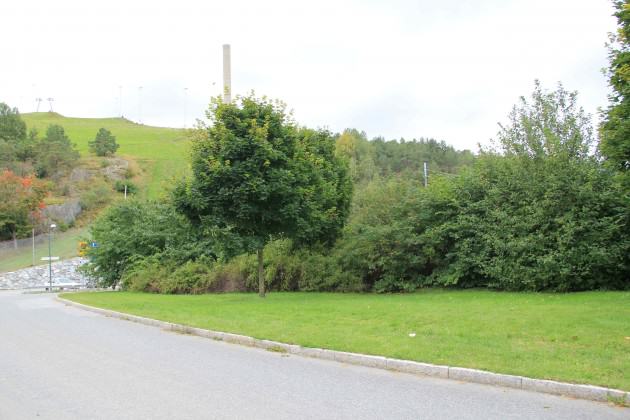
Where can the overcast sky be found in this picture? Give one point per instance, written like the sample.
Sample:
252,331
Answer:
424,68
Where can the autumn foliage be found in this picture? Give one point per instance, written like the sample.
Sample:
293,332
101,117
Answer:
21,202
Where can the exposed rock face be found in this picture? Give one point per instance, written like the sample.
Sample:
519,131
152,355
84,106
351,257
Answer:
38,276
66,212
81,175
116,169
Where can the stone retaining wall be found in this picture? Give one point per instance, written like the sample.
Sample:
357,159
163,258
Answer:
33,277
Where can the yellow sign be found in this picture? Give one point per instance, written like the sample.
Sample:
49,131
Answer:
83,246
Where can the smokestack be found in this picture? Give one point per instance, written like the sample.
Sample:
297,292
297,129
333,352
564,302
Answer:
227,74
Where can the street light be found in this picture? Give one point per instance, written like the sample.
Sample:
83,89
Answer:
52,226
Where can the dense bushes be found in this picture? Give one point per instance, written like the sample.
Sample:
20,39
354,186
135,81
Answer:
492,226
97,194
153,275
132,230
508,223
538,212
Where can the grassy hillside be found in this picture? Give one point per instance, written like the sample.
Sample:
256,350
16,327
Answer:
160,152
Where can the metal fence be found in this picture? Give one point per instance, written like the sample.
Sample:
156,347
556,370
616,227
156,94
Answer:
23,243
29,251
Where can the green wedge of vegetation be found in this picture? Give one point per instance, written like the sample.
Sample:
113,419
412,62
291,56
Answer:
160,152
578,337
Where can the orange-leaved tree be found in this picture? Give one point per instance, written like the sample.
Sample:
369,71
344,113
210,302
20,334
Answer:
20,203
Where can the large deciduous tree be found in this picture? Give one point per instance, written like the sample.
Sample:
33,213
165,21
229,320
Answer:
549,124
615,127
259,174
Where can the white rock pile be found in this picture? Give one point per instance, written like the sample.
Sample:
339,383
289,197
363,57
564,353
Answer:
35,277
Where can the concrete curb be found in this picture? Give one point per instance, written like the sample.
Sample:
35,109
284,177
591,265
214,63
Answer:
585,392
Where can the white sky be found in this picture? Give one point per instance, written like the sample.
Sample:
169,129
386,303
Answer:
448,70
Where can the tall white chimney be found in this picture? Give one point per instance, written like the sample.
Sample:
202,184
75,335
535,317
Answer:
227,74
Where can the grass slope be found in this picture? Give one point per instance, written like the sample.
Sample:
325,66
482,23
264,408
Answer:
161,152
578,337
64,245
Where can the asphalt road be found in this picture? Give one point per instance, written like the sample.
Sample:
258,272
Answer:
60,362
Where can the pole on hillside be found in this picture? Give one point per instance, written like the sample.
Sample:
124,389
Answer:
140,104
33,247
227,74
426,173
120,111
125,191
185,107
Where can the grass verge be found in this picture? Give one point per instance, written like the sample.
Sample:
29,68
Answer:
64,245
578,337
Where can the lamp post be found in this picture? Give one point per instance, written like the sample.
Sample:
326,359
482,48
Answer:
50,255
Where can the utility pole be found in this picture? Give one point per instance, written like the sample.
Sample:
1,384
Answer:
39,101
426,173
227,74
50,101
140,104
120,112
185,107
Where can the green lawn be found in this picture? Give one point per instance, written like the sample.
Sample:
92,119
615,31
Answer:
64,245
161,151
578,337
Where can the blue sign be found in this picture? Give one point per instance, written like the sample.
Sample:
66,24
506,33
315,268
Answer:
94,244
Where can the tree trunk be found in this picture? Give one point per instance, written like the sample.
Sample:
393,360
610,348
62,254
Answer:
261,274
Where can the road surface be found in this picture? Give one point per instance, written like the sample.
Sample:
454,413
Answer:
60,362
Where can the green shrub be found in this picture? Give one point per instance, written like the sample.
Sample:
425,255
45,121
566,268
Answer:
97,196
129,173
508,223
144,275
119,186
193,277
133,230
287,269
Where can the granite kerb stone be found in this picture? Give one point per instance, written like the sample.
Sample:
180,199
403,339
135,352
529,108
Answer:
483,377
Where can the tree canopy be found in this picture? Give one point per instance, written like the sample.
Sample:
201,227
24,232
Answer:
12,128
54,152
615,126
257,172
20,203
549,124
104,144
